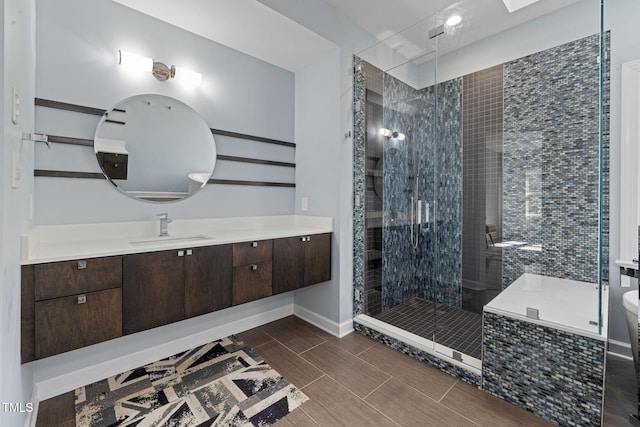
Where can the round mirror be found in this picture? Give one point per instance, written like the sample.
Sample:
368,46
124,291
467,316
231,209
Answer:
155,148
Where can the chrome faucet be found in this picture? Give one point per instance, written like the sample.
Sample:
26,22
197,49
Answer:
164,224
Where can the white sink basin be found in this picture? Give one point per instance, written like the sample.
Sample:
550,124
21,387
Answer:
171,240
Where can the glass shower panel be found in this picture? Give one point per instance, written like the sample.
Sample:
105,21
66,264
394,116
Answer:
399,181
481,165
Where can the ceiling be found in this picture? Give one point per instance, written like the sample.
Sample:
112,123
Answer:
255,29
244,25
404,23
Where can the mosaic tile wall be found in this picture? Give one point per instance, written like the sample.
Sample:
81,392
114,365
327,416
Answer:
551,163
437,161
405,110
554,374
359,139
453,370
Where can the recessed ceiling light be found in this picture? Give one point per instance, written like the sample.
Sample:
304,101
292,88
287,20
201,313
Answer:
454,20
513,5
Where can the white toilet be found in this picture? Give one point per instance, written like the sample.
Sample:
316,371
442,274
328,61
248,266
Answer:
630,303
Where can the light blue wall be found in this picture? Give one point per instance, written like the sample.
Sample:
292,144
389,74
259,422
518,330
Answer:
17,57
77,48
333,301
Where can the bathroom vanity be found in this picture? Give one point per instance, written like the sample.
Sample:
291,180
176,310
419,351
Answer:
84,284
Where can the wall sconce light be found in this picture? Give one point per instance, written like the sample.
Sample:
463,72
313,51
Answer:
385,132
395,134
160,71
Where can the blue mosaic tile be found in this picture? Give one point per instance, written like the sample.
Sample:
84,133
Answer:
557,375
453,370
359,142
551,163
429,266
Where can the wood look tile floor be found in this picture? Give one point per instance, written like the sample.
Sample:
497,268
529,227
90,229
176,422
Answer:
354,381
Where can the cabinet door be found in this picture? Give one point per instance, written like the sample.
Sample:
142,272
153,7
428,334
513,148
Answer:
288,264
208,274
252,282
317,259
153,290
67,323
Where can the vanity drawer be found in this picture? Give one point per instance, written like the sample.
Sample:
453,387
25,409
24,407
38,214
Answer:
114,165
252,282
252,252
68,323
59,279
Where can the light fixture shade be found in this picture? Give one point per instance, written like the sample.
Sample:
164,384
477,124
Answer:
134,62
187,76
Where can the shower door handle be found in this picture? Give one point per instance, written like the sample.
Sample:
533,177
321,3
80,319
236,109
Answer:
426,215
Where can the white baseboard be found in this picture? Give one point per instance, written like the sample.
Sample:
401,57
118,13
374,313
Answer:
33,415
336,329
71,380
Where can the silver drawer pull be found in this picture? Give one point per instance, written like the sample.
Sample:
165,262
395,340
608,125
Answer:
180,253
303,239
82,265
254,244
308,238
189,251
254,267
82,299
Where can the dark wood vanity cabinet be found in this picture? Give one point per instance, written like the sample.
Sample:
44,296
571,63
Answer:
153,290
67,323
70,304
169,286
252,270
301,261
115,165
208,274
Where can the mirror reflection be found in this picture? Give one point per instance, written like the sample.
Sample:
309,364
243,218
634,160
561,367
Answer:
155,148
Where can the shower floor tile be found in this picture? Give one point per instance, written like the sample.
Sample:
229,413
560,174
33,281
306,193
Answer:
453,327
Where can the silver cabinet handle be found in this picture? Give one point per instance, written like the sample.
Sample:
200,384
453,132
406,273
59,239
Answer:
82,265
180,253
303,239
254,244
189,251
82,299
254,267
308,238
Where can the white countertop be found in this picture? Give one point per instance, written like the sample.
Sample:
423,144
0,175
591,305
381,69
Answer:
627,263
568,305
49,243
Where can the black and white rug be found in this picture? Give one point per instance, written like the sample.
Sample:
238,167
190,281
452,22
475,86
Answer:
223,383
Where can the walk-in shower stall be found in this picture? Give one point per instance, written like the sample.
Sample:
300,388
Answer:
480,156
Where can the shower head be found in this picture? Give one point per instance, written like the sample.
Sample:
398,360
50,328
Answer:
437,31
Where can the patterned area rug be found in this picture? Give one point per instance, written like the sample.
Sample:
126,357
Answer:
223,383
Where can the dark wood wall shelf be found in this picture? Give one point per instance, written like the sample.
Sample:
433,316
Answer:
48,103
